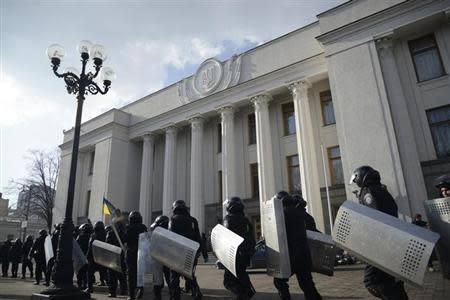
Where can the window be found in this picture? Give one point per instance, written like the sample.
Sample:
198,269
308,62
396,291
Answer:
335,163
219,138
91,163
88,203
293,167
288,118
220,187
327,108
439,120
254,180
426,58
251,129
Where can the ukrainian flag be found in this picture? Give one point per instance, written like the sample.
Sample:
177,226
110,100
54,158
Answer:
108,207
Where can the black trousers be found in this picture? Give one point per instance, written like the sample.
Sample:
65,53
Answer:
132,274
92,268
14,268
82,277
240,285
158,288
48,271
5,268
304,279
383,285
40,268
26,263
174,286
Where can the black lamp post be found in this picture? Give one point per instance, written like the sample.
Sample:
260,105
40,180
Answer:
79,84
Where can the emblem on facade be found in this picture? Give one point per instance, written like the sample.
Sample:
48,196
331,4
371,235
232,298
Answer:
211,76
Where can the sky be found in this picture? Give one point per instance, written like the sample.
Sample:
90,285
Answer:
150,44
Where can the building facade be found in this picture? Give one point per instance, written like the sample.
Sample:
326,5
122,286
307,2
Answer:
367,83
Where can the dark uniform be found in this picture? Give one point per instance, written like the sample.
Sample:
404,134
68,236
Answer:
38,253
299,254
300,204
83,241
187,226
236,221
26,262
15,254
114,276
161,221
131,239
51,262
442,183
99,234
376,196
4,256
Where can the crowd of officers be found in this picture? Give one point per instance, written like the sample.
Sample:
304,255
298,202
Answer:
372,193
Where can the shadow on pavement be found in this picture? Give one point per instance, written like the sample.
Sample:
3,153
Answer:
14,297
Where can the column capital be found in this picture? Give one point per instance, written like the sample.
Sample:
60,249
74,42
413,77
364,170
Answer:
196,122
226,110
261,101
300,88
385,44
171,128
148,136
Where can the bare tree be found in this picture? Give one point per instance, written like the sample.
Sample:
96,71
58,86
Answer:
40,184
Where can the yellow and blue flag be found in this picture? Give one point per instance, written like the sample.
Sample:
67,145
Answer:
108,207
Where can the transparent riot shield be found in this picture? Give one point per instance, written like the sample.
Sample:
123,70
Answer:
323,252
78,257
225,244
274,228
174,251
148,269
107,255
394,246
438,214
48,249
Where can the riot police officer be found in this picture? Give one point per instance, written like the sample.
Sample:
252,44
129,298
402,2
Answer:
26,262
236,221
300,204
4,256
15,254
131,238
83,241
114,276
51,262
187,226
299,254
161,221
373,194
38,253
443,185
99,234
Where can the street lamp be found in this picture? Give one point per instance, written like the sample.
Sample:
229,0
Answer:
79,84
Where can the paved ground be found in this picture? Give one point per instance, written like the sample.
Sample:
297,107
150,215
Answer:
345,284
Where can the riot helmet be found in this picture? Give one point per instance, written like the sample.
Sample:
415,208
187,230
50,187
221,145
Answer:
29,238
108,228
135,217
99,226
364,176
443,184
234,205
285,198
161,221
43,232
179,205
299,201
86,228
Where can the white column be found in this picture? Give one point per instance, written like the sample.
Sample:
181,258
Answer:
266,175
228,153
145,198
197,204
169,169
309,163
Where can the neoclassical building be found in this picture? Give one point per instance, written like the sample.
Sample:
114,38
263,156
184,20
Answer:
367,83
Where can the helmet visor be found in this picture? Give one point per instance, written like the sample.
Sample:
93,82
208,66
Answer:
352,178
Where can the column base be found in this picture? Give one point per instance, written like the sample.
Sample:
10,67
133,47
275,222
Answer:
61,293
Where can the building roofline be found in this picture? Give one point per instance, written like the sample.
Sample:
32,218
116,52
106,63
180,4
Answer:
334,8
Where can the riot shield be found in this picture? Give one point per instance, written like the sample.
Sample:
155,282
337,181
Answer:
174,251
78,257
274,228
438,214
225,244
394,246
148,270
107,255
323,252
48,249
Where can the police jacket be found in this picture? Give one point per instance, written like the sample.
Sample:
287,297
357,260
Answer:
187,226
4,252
15,253
377,197
38,250
55,239
131,237
97,235
239,224
26,249
83,241
310,223
112,239
296,236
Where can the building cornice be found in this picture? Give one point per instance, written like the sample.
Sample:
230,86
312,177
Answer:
383,16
